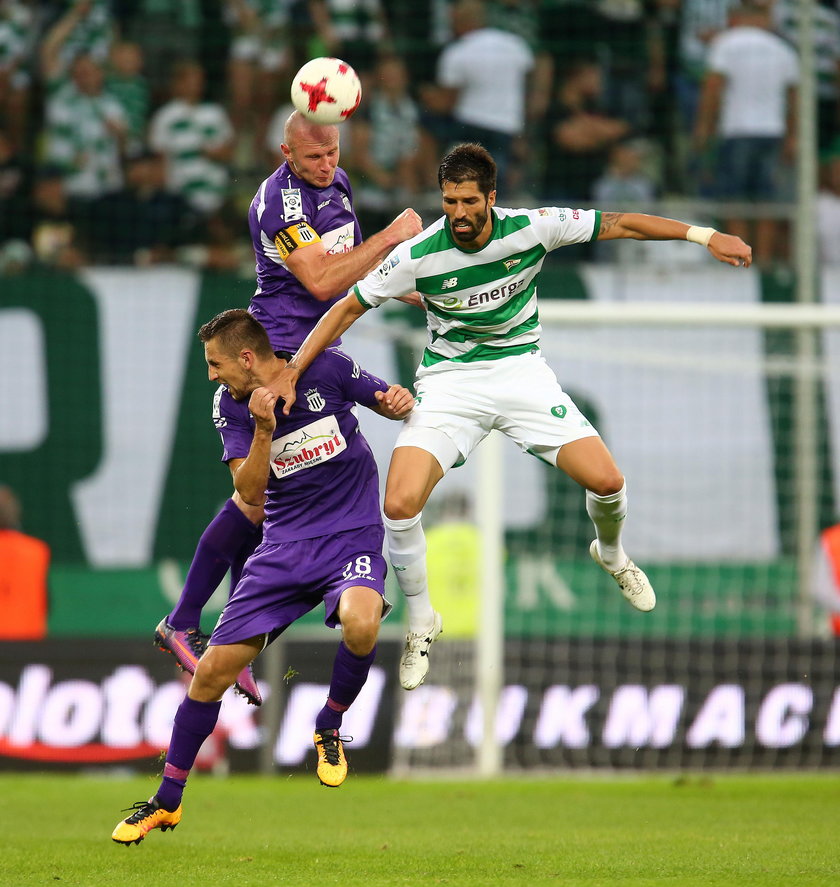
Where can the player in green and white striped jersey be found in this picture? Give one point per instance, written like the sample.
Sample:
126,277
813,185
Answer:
196,138
483,310
85,131
477,269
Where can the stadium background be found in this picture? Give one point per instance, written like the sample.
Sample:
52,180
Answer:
105,438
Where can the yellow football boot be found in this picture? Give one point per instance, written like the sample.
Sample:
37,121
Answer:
332,765
147,816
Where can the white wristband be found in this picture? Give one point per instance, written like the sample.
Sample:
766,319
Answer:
699,235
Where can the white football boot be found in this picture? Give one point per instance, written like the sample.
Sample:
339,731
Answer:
414,662
634,585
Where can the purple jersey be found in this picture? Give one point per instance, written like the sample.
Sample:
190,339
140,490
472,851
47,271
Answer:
322,477
287,214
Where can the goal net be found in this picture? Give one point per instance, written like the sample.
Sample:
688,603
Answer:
722,410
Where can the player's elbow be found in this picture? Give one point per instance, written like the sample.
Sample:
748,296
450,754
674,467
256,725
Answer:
250,495
320,292
315,278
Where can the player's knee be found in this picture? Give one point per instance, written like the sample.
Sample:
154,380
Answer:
360,633
398,506
210,680
608,483
360,643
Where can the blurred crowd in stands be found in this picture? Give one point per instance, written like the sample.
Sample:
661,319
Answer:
136,131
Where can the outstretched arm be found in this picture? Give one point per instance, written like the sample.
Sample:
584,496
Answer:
338,319
57,36
637,226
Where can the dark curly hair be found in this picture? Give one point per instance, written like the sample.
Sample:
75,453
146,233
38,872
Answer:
469,162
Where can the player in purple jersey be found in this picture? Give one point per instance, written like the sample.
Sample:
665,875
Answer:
306,236
308,250
316,477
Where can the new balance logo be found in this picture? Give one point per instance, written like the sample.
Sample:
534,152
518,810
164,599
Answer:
449,283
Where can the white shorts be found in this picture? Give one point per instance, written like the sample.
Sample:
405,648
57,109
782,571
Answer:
457,407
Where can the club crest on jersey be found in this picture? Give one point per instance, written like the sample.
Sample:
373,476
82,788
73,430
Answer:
346,201
315,401
511,263
292,204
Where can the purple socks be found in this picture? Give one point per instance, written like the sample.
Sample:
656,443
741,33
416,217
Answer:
228,540
348,677
194,722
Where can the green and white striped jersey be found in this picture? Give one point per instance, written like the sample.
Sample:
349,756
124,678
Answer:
481,304
79,137
183,132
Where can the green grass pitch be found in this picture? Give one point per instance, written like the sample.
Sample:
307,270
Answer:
627,831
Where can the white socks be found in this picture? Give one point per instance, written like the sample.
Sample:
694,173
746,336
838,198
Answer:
608,513
407,553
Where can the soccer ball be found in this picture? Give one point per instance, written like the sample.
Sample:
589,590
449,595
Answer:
326,90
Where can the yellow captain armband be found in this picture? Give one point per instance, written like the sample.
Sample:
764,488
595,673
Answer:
287,240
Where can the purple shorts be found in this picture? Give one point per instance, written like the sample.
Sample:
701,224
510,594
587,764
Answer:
280,583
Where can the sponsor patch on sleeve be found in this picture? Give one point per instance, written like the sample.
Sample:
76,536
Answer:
289,239
218,419
292,204
385,268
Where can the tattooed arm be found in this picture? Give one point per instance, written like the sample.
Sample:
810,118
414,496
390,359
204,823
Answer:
637,226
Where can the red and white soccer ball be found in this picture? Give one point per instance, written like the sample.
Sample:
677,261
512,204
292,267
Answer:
326,90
